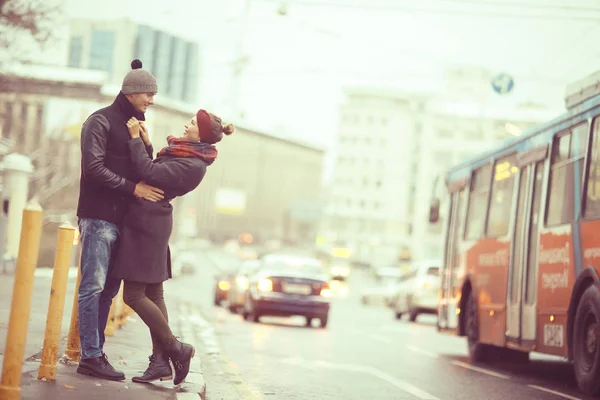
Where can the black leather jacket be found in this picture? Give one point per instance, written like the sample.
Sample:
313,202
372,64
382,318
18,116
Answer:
107,177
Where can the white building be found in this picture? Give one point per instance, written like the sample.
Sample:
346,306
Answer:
391,147
368,196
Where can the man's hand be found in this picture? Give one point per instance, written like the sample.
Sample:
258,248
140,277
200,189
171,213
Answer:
144,133
133,125
145,191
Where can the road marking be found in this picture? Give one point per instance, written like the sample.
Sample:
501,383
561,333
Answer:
566,396
425,353
482,370
380,338
400,384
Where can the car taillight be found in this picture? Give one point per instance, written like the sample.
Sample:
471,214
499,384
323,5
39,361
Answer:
265,285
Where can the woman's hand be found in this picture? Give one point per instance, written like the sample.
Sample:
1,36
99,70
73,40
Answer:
144,134
134,127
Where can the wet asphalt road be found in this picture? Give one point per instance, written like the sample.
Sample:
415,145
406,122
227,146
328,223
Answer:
364,353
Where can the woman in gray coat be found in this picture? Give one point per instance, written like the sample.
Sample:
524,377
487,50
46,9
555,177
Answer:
142,259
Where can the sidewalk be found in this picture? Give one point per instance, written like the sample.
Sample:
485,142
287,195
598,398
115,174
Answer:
128,350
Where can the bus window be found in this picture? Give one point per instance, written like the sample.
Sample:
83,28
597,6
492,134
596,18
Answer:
592,201
561,204
478,199
503,185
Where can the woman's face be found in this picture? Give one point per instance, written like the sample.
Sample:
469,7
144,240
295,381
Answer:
191,132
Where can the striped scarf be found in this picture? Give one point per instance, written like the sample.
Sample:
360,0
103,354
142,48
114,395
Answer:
182,148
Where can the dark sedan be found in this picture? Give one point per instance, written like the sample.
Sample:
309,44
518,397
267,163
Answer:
284,289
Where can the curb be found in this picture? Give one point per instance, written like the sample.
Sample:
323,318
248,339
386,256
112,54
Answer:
194,386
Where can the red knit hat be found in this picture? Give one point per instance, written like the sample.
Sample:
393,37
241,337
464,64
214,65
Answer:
210,127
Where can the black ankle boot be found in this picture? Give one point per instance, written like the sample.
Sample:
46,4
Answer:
181,355
159,369
100,368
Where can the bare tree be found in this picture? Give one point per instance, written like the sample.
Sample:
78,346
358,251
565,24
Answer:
24,23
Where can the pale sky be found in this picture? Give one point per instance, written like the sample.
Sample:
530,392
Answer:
298,63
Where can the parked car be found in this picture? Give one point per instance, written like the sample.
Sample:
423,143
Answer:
288,285
387,279
239,285
340,269
418,290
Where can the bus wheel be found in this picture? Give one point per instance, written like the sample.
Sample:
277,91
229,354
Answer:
586,346
476,349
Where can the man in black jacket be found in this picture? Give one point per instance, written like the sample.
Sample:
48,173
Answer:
107,185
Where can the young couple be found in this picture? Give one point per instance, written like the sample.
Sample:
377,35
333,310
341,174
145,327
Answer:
126,219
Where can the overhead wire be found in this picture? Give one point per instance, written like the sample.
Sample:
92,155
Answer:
409,8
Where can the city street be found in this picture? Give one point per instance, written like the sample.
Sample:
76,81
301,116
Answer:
363,354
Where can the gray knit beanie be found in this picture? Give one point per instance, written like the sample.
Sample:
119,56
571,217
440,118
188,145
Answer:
139,80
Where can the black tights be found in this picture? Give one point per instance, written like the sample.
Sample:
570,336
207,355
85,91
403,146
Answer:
147,300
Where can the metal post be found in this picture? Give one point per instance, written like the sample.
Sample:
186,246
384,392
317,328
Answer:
29,247
56,306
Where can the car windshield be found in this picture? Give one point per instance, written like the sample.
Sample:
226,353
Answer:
248,267
303,267
290,259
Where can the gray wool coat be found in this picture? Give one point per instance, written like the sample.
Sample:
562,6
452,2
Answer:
142,253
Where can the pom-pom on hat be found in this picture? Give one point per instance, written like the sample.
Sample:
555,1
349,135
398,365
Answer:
139,80
211,128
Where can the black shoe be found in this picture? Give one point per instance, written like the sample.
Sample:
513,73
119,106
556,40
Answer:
181,355
100,368
159,369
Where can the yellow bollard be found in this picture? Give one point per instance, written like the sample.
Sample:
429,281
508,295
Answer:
56,306
73,350
29,247
110,323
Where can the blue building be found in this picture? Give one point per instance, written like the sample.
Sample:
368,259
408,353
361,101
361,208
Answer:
110,46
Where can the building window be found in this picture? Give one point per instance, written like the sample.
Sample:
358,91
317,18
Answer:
7,117
102,50
503,185
566,166
75,51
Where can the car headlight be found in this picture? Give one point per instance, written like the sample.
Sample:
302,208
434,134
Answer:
242,282
265,285
224,285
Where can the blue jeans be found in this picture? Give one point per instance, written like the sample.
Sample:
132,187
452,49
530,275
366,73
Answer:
95,290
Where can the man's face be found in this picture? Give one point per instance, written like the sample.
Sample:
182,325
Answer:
141,101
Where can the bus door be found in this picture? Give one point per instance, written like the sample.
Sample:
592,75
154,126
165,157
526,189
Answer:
447,318
521,294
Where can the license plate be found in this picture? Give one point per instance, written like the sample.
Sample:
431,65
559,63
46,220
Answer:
297,289
554,335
